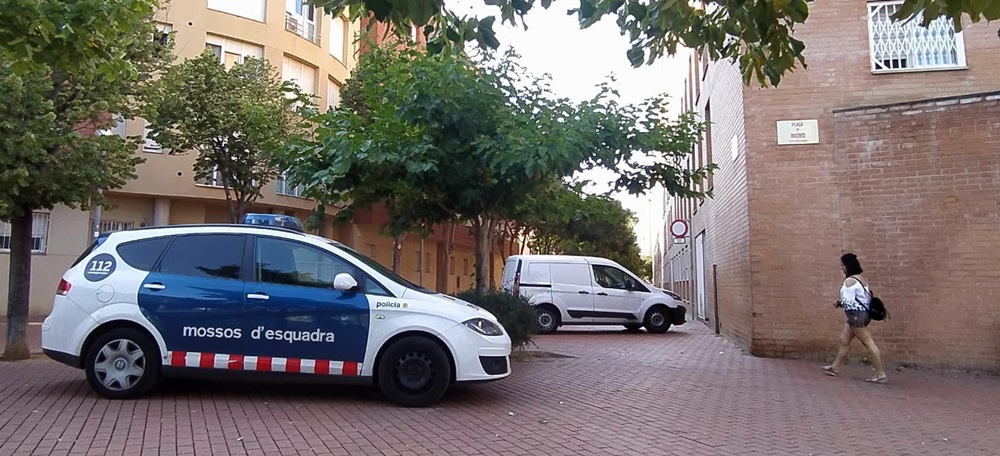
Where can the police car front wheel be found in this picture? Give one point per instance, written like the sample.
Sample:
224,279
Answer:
414,372
122,363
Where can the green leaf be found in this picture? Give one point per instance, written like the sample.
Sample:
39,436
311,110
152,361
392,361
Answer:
636,56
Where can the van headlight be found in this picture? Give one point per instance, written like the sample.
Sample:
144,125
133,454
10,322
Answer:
484,327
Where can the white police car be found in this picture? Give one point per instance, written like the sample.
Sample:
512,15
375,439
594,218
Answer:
180,300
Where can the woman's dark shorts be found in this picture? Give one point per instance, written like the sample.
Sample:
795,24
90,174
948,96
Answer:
858,318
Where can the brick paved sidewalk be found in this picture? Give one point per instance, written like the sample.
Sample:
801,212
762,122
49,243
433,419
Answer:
686,392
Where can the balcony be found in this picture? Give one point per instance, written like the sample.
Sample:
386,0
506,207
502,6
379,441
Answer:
301,27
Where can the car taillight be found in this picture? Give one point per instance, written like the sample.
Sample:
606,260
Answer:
64,287
517,283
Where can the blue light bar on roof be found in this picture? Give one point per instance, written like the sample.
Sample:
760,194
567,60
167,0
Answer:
278,220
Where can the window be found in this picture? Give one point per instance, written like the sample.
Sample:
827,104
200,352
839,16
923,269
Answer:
300,19
610,277
539,274
250,9
112,225
213,255
707,158
148,145
371,250
465,266
332,94
284,187
231,52
290,263
39,233
213,179
338,38
143,254
300,73
451,265
907,45
427,262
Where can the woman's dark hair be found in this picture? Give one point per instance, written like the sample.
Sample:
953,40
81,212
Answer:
851,264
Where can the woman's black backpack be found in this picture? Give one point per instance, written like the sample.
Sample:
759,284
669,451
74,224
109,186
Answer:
876,309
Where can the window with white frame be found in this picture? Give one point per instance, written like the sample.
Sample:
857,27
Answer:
332,94
906,45
148,145
249,9
300,19
338,37
39,233
302,74
231,52
284,187
115,127
213,179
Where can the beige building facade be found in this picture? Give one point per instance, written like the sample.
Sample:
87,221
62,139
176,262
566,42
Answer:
307,46
886,146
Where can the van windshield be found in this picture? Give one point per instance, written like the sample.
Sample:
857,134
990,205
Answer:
381,269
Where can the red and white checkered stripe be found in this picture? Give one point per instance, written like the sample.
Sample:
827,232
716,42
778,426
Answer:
262,363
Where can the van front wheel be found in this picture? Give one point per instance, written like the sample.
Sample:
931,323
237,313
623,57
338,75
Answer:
657,320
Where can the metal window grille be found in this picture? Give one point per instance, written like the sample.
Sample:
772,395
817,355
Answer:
39,233
112,225
212,180
301,26
906,45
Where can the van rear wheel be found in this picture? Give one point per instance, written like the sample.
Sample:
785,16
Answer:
548,320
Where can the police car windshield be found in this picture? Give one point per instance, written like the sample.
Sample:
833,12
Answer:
378,267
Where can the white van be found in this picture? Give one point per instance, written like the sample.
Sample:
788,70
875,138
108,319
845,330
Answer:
579,290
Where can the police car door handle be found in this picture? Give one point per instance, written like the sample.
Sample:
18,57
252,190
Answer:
258,296
154,286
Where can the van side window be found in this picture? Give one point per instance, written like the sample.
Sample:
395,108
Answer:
142,254
208,255
611,277
570,274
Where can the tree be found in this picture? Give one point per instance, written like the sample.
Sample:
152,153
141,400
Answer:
756,33
236,119
65,66
469,139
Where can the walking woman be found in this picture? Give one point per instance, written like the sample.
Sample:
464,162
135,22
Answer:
855,299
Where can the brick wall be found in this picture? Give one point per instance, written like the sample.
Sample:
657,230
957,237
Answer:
920,204
795,233
794,227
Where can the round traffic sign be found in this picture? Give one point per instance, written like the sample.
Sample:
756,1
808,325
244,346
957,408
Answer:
679,228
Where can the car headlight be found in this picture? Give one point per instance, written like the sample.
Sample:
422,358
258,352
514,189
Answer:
484,327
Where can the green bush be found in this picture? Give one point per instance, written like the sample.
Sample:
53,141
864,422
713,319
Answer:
514,312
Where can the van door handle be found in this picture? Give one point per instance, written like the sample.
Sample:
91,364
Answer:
156,286
602,294
258,296
583,292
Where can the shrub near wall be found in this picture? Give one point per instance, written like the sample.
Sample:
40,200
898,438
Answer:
514,312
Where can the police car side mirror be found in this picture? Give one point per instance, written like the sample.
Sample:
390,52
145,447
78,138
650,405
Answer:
344,282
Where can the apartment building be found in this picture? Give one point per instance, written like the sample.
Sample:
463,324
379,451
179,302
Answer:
315,50
888,146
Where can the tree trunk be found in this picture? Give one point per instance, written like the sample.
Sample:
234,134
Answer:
397,247
19,287
444,263
482,227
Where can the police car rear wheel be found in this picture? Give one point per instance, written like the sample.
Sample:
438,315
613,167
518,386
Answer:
122,363
414,372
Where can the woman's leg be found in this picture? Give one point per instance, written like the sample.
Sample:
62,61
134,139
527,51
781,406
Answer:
866,338
846,336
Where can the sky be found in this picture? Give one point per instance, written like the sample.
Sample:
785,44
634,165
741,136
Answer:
578,60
